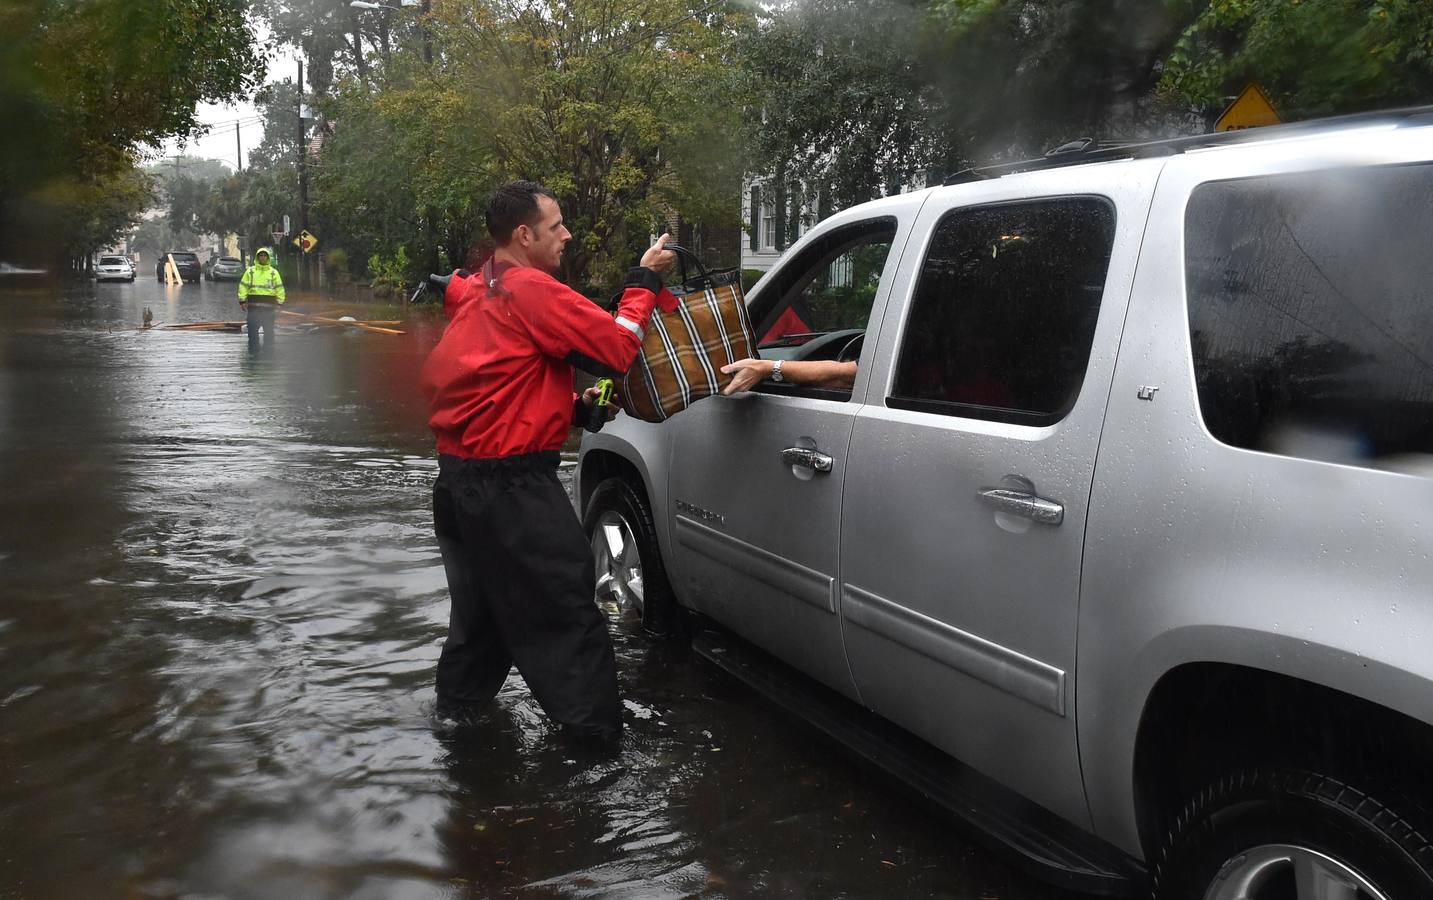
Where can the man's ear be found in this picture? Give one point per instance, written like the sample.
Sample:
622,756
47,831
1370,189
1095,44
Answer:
523,235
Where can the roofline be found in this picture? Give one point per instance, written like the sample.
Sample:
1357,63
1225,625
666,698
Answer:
1086,150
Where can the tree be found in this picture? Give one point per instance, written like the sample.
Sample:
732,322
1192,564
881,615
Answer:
185,186
594,98
329,32
838,98
624,110
1312,58
65,136
856,97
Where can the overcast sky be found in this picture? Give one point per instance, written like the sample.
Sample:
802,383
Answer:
219,142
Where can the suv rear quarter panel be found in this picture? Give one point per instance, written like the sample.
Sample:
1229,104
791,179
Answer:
1198,551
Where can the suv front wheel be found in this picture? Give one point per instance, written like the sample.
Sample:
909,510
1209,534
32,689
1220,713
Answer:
1282,834
628,561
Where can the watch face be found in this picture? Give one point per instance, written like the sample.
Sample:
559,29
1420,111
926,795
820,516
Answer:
776,373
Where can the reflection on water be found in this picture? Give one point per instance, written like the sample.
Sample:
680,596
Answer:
220,608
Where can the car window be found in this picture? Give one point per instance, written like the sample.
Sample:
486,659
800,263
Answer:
111,261
829,287
1004,311
1311,313
185,257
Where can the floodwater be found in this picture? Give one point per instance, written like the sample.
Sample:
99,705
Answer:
220,608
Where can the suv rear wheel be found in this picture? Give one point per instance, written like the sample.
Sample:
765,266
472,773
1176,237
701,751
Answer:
1283,834
628,561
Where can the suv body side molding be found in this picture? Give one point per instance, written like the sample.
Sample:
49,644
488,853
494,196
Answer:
996,665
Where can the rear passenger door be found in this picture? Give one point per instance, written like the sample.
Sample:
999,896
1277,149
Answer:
970,467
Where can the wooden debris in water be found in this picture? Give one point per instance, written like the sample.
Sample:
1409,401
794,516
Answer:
306,321
350,323
205,326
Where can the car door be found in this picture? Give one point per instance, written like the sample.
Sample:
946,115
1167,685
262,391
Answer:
756,478
970,466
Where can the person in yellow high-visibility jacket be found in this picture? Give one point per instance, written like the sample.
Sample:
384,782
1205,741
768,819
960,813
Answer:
261,291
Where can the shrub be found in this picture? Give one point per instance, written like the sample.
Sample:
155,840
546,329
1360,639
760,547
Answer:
389,274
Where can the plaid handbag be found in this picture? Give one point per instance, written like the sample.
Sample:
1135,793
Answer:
683,351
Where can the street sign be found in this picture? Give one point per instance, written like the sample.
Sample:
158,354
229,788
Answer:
287,229
305,241
278,237
1249,110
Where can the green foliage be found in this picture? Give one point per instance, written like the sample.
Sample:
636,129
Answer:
389,273
862,97
92,213
85,83
625,110
335,262
1313,58
837,98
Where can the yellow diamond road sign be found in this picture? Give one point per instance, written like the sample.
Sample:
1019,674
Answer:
305,241
1249,110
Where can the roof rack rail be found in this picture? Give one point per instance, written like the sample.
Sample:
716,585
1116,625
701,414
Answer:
1087,150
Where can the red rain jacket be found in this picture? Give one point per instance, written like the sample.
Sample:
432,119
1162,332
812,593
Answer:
456,292
499,383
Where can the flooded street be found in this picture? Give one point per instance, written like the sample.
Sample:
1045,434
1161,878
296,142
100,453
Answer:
221,604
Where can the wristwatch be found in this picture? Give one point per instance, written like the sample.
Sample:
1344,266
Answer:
776,371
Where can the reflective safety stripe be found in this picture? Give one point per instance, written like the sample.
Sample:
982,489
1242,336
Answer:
631,326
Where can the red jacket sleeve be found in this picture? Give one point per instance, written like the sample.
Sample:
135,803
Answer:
566,325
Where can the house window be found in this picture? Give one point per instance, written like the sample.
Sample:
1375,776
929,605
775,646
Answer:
768,223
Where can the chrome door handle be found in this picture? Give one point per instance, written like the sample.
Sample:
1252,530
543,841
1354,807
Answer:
807,458
1023,504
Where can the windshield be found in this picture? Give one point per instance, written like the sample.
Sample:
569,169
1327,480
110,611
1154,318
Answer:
111,260
185,257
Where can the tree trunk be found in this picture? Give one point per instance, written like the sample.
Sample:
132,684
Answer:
359,62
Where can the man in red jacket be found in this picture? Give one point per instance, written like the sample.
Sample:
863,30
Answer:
499,386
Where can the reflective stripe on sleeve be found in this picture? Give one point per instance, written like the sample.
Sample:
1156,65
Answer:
631,326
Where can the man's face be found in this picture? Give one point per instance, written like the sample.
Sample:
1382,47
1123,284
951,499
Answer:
262,259
547,237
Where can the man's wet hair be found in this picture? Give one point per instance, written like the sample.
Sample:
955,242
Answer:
512,205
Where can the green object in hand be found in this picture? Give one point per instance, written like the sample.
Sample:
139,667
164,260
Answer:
604,392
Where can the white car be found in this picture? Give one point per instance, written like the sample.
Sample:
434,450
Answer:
114,268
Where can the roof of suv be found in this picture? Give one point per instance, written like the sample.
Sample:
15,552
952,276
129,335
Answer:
1087,150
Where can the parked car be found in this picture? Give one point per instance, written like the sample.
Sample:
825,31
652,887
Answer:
114,268
187,262
1121,547
224,268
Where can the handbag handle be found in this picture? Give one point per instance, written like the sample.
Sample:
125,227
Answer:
682,255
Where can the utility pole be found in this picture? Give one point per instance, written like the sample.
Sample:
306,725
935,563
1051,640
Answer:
303,181
238,149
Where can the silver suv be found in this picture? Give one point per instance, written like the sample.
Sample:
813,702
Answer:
1121,547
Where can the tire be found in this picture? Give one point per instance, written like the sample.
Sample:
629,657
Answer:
1246,835
616,515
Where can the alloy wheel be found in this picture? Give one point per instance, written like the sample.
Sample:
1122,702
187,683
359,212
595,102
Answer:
1271,871
618,562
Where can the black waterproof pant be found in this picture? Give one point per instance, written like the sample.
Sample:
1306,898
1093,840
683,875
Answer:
260,315
521,577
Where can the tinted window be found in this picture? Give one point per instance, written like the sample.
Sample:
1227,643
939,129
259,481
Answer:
185,257
1311,312
111,261
1004,311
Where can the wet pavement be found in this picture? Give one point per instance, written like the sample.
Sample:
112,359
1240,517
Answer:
220,608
